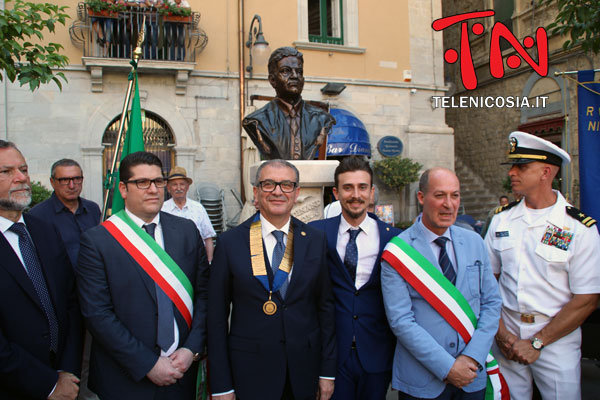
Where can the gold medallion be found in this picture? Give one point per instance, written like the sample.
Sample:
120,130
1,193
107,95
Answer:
270,307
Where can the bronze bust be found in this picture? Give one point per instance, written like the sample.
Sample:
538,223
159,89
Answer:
287,127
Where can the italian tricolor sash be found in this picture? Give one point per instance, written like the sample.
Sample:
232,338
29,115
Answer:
445,298
154,261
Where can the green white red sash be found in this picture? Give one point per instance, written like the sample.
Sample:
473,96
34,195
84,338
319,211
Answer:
446,299
155,261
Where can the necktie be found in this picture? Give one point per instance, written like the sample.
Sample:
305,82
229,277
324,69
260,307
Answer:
444,260
278,252
34,270
164,330
351,256
296,145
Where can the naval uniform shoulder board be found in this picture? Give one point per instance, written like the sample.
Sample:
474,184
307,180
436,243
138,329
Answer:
505,207
581,217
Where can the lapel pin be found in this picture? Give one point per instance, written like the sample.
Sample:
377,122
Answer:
387,228
303,233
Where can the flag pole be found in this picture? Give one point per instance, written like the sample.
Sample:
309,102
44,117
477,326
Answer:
136,56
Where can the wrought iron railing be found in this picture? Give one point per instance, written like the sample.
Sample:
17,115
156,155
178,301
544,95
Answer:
114,34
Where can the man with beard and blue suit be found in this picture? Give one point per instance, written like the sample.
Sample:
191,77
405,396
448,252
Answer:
271,272
355,241
433,360
40,325
142,278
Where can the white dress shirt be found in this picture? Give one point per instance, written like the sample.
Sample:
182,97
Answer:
367,243
11,237
158,237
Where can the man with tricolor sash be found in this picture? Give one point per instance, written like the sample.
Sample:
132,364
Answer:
142,277
441,301
545,253
270,275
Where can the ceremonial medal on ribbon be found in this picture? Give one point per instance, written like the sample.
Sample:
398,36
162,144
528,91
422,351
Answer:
259,269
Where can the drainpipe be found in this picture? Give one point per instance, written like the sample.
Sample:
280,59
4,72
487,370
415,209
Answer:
242,69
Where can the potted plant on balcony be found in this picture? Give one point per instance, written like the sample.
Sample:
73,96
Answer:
172,12
103,8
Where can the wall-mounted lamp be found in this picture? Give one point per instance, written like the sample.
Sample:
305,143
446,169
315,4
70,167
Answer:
333,89
259,48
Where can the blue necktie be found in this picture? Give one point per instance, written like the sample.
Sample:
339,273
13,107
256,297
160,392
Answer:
34,270
444,260
351,256
164,332
278,252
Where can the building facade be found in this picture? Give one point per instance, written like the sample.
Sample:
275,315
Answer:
387,56
481,132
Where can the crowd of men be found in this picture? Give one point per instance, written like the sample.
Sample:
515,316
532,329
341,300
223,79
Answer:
338,308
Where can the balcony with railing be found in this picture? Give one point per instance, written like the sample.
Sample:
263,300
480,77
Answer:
109,36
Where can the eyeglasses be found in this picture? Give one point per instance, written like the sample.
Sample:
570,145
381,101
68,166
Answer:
145,183
269,186
77,180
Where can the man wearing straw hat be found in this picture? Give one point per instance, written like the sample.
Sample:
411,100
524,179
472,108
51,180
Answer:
545,254
179,204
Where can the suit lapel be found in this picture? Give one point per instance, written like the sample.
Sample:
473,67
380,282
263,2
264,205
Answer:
11,263
332,228
300,249
39,241
459,252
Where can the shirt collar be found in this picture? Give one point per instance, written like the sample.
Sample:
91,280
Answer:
60,206
268,227
286,107
367,225
6,223
431,236
172,205
140,222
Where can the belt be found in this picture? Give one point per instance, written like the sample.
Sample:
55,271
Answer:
528,318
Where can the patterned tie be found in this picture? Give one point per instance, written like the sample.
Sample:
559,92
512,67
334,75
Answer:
34,270
351,256
278,252
444,260
164,332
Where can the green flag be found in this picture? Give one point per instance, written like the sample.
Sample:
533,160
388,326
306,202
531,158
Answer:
134,141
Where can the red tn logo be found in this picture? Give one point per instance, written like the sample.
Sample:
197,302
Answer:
499,30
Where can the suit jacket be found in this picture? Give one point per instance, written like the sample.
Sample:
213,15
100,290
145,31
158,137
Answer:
26,368
253,353
374,340
427,345
118,302
268,126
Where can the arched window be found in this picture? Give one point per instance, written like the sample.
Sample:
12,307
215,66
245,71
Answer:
158,139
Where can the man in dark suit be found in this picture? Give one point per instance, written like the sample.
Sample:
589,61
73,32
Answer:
142,279
355,242
40,324
272,270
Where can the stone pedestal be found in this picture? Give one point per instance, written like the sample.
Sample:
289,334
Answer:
315,175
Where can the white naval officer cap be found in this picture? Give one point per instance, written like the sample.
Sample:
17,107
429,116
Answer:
526,148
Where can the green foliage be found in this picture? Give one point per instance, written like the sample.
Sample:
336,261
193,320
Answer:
397,172
506,186
580,20
102,5
173,9
28,62
39,193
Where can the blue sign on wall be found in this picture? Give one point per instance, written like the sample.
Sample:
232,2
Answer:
390,146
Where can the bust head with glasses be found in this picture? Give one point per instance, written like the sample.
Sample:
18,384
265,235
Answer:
142,184
66,178
276,190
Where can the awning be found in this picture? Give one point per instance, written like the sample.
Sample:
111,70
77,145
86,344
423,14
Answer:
348,136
